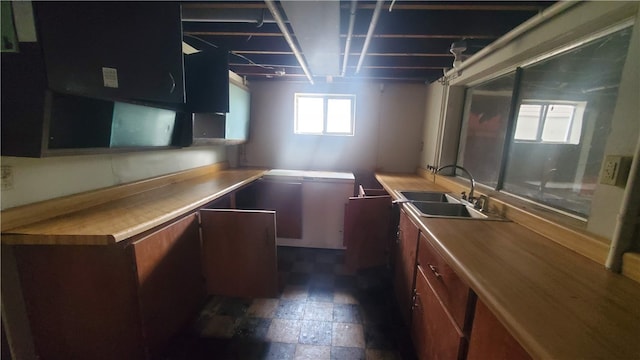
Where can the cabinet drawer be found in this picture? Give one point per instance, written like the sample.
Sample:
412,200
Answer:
453,293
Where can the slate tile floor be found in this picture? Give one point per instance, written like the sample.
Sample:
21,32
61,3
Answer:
322,313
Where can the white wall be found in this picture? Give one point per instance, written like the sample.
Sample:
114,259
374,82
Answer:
47,178
387,130
575,24
431,128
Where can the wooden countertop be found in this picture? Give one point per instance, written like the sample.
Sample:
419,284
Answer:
114,221
555,302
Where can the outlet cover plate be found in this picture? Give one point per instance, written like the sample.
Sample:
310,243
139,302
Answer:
6,174
615,170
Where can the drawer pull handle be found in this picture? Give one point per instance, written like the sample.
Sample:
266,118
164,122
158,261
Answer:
435,271
415,300
173,83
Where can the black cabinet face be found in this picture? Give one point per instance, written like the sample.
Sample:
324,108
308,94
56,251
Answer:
113,50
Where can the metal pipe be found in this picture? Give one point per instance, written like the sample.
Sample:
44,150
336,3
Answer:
372,27
347,46
628,217
521,29
285,32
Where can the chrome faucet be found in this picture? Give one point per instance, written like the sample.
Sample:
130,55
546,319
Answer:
471,179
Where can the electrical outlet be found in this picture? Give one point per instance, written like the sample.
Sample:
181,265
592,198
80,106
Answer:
615,170
6,173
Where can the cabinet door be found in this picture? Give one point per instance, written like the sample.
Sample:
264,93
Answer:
239,252
366,228
285,198
434,334
405,265
491,340
170,282
81,301
113,50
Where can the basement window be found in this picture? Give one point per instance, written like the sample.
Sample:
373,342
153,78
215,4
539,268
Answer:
324,114
540,132
549,122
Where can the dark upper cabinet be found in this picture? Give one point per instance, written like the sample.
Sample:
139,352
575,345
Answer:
202,128
129,51
113,50
54,98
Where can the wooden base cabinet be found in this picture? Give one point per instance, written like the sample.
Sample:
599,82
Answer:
239,252
366,231
491,340
405,265
121,301
283,197
442,308
169,278
434,334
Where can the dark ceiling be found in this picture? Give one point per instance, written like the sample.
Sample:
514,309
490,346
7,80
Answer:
410,43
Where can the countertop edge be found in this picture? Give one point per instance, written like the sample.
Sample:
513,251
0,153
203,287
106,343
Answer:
479,283
24,235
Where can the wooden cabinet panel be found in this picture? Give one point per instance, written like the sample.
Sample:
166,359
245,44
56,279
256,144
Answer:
453,293
405,265
285,198
121,301
81,301
239,252
434,334
366,229
491,340
170,282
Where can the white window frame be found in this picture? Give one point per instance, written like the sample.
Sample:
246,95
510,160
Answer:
574,129
325,98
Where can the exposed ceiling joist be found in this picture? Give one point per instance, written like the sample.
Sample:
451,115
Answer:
410,43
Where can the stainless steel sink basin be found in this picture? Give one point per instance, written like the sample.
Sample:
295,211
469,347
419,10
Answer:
433,196
448,210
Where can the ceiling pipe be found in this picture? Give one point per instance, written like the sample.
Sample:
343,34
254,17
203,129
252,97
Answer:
372,27
285,32
347,46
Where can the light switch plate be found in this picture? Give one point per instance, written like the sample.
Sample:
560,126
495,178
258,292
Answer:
615,170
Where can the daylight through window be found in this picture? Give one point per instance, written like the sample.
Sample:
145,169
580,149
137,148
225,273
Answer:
550,122
547,144
324,114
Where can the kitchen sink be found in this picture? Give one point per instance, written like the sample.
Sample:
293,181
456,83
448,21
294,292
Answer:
449,210
432,196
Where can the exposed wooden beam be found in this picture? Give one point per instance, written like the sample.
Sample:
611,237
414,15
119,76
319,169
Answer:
461,7
231,33
425,36
267,52
262,52
406,54
381,36
224,5
275,66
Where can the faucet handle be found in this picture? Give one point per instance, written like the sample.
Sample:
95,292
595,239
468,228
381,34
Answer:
481,203
463,195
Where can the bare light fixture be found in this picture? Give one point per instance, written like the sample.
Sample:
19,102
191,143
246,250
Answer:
457,48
